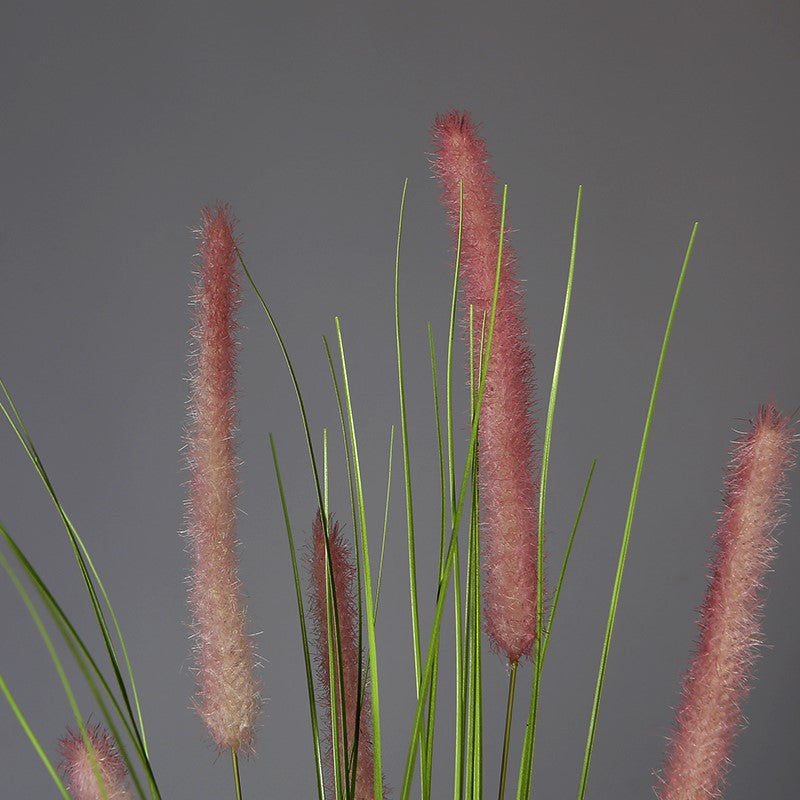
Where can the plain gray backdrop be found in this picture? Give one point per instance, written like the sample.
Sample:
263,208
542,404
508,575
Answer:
120,121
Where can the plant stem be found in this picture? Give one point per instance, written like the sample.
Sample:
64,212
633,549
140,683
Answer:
237,782
512,684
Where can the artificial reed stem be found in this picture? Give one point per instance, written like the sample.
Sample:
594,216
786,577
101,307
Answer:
237,781
512,685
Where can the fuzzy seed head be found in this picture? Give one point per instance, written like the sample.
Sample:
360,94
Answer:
344,581
506,458
79,770
228,697
721,672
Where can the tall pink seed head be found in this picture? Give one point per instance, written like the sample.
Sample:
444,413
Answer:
228,697
721,672
344,581
506,458
79,770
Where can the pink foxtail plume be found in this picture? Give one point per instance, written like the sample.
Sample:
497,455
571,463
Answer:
80,772
344,581
721,671
227,691
506,459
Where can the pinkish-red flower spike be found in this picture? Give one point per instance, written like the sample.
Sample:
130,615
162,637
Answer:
80,772
509,492
227,690
344,581
721,671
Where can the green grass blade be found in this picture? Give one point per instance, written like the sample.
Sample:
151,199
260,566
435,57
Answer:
522,785
32,738
428,761
370,609
474,771
59,667
440,450
83,559
612,612
527,757
61,619
383,547
460,688
293,376
75,644
385,522
93,676
437,620
361,683
412,548
312,701
325,477
565,562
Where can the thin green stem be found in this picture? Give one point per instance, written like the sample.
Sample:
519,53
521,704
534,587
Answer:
312,703
437,620
372,642
412,557
460,665
295,383
32,738
565,562
237,781
512,685
530,741
88,570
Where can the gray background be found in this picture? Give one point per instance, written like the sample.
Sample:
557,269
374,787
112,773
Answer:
120,122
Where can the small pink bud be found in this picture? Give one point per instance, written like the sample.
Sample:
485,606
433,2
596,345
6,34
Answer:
509,493
720,674
80,772
344,581
227,691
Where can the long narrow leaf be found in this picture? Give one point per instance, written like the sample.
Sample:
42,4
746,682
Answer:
368,590
83,559
460,690
530,741
437,620
312,701
32,738
637,476
412,548
59,667
93,677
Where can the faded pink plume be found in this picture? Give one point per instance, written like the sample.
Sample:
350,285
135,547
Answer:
227,691
506,460
720,674
344,581
80,772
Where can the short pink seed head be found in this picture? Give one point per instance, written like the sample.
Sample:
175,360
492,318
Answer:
346,679
81,773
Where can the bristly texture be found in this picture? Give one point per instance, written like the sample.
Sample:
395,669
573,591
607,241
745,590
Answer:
720,674
228,693
506,459
344,582
80,772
